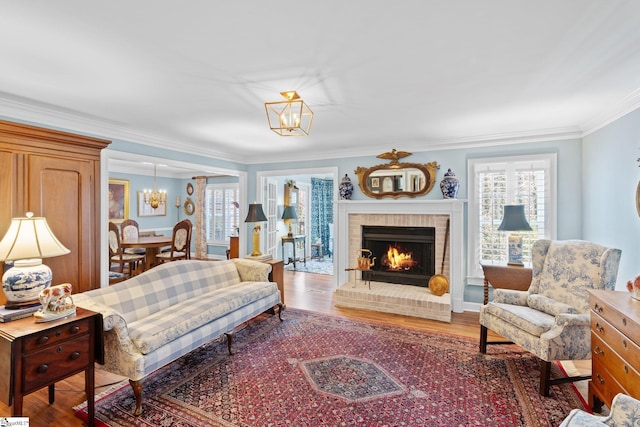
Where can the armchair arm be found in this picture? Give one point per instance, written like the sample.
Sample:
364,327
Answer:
510,296
568,339
566,319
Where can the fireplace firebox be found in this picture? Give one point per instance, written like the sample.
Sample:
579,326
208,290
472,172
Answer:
404,255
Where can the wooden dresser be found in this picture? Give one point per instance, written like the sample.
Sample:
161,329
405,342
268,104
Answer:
615,346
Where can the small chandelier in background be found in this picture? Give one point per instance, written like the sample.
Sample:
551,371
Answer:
291,117
155,198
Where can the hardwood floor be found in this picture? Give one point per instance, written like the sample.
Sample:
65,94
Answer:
305,291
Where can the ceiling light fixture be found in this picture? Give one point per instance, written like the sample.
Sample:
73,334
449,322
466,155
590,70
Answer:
291,117
155,198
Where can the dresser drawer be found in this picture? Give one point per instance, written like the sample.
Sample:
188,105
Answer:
620,343
602,383
624,373
56,361
627,323
56,335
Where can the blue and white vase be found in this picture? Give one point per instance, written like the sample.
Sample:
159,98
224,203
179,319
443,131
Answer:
346,188
449,185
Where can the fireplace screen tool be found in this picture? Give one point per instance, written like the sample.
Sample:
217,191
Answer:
439,283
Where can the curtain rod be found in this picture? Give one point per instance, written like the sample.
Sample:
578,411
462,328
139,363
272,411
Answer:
205,176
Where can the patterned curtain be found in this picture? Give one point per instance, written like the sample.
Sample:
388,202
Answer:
200,232
322,212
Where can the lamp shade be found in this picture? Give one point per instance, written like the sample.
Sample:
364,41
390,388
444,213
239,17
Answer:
514,219
256,214
30,237
289,213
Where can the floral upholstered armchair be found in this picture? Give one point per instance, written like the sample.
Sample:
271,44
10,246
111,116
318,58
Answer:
551,319
625,412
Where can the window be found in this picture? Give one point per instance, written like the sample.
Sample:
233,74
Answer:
526,180
222,212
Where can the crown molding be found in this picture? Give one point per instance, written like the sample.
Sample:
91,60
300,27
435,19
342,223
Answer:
629,104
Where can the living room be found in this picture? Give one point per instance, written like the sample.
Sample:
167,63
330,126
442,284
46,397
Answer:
480,96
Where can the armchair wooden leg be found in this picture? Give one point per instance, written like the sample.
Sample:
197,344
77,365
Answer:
545,377
483,339
137,392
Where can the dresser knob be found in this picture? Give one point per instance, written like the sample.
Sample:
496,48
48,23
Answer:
599,328
42,368
75,329
43,339
59,350
624,343
600,379
58,333
624,321
626,369
598,351
75,355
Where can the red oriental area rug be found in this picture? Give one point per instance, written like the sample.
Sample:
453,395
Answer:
320,370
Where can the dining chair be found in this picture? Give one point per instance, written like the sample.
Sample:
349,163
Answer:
181,244
130,230
117,254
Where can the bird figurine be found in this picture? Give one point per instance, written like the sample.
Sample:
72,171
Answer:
393,155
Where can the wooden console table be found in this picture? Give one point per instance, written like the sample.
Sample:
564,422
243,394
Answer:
294,240
36,355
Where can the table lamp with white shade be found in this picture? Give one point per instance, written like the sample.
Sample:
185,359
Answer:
514,220
27,241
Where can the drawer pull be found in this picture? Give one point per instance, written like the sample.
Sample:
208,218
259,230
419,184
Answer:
75,355
42,368
58,333
43,339
626,369
59,350
600,379
599,328
598,308
598,351
75,329
624,321
624,343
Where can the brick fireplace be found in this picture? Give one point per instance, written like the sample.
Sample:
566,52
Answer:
389,297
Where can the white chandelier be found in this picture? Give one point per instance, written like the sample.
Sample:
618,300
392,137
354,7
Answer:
155,198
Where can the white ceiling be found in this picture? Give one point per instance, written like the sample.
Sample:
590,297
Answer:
416,75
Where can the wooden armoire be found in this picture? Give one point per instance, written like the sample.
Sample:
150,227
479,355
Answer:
55,175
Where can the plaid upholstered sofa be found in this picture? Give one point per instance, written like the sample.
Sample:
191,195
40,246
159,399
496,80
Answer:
164,313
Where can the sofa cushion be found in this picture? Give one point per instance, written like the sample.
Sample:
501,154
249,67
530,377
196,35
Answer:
531,321
157,329
548,305
166,285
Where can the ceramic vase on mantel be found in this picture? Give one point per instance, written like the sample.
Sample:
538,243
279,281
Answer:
346,188
449,185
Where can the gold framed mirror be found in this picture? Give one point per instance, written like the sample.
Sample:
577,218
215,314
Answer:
396,179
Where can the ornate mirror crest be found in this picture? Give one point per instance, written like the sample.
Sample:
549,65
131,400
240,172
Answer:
396,179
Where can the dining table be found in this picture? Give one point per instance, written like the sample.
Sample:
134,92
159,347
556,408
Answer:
151,244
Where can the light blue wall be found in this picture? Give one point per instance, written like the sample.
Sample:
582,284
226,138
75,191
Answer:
610,177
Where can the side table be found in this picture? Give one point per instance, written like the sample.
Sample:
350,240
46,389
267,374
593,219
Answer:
502,277
35,355
277,275
294,240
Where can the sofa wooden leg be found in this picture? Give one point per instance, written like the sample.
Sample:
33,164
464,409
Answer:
230,342
137,392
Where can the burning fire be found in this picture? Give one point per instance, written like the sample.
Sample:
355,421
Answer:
395,259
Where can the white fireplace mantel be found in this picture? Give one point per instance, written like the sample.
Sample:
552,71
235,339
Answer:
454,208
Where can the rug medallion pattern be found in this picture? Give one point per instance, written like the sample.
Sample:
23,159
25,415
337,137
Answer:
320,370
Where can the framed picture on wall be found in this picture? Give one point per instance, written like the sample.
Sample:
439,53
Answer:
118,200
146,210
